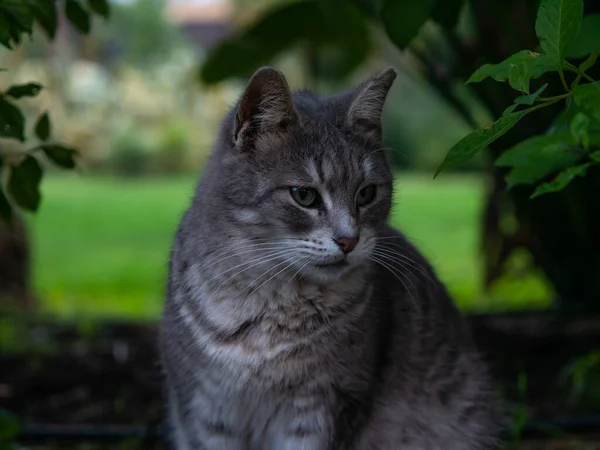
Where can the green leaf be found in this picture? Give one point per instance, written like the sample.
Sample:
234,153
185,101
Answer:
562,180
589,62
530,99
534,64
12,121
562,123
518,78
20,16
531,150
45,15
337,24
587,40
588,96
43,127
5,25
472,143
538,157
595,156
100,7
60,155
23,183
447,12
557,24
403,20
78,16
579,129
24,90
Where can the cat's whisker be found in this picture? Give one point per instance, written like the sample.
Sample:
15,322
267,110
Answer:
293,260
386,238
401,269
401,253
245,251
405,250
393,272
388,149
253,263
405,260
301,267
405,256
246,246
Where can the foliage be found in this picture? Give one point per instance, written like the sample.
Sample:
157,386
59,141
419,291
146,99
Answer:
582,378
336,26
561,27
20,179
337,30
519,412
563,156
130,153
142,32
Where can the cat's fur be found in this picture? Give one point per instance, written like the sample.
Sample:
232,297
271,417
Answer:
263,347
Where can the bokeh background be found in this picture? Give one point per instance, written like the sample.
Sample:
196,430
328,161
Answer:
129,97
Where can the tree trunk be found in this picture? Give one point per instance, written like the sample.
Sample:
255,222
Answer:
14,267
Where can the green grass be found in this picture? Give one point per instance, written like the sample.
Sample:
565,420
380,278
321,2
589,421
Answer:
101,245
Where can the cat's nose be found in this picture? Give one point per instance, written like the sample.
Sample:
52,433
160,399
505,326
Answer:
347,244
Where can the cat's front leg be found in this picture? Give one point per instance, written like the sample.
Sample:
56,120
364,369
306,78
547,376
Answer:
310,430
209,438
198,435
308,442
196,428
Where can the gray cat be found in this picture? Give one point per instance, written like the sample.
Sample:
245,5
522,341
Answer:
295,318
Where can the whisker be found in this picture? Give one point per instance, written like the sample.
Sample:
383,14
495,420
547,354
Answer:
244,246
300,269
388,149
244,251
293,259
393,272
405,249
400,269
253,263
403,259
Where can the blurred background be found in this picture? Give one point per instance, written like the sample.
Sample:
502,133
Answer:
130,98
141,97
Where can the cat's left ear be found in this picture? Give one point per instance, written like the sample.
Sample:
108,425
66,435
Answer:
265,107
364,114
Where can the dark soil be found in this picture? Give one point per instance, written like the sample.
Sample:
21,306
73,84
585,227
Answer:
103,380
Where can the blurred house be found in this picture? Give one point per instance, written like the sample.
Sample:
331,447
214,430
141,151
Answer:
204,23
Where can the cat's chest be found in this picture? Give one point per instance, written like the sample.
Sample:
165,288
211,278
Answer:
249,330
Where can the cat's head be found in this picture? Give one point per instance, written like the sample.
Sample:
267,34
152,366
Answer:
302,178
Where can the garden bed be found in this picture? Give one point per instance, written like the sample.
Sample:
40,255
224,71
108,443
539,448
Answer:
101,382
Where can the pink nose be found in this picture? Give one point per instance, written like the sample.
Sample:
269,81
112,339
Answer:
347,244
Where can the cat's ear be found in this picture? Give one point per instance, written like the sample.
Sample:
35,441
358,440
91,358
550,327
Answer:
364,114
265,107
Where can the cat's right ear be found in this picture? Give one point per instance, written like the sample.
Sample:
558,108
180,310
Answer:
265,107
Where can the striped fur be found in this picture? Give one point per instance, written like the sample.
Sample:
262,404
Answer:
268,346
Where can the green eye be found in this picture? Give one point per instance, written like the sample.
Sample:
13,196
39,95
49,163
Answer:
366,195
306,197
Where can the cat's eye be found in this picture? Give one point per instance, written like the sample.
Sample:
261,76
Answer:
307,197
366,195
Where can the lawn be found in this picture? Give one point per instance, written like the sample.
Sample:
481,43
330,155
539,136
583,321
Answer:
101,245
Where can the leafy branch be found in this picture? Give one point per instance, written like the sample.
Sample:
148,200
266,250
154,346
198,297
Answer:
20,179
570,148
